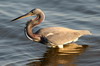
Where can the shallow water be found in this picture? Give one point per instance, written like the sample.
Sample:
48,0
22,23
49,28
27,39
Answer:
17,50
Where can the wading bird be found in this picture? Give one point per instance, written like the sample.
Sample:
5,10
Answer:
51,36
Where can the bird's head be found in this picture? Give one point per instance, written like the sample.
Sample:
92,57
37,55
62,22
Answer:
33,12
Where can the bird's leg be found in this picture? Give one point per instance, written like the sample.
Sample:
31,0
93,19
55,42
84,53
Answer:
60,46
54,46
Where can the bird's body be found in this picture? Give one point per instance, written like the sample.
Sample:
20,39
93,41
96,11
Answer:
52,36
58,36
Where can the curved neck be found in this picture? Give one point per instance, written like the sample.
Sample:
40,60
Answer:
31,24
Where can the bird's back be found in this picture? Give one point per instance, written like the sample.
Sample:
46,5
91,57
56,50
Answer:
54,30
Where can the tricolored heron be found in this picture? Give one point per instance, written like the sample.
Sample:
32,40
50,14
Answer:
52,36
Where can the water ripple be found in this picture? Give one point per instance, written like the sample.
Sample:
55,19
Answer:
17,50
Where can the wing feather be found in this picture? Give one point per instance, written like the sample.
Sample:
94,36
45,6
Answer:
62,38
59,35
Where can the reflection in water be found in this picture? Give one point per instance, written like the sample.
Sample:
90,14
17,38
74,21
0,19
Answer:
61,57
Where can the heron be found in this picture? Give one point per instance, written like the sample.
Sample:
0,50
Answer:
50,36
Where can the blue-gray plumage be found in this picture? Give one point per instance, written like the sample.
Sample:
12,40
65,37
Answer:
52,36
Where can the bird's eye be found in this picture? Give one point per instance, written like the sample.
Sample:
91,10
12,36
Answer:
32,12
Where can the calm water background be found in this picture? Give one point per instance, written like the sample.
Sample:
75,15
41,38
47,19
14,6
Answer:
17,50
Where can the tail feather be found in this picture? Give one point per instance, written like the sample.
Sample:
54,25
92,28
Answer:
85,32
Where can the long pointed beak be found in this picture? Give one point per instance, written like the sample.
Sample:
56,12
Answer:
23,16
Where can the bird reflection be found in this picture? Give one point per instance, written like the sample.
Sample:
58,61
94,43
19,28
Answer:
61,57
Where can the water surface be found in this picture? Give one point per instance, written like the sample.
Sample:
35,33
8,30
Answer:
17,50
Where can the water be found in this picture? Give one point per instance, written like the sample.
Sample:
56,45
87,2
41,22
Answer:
17,50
